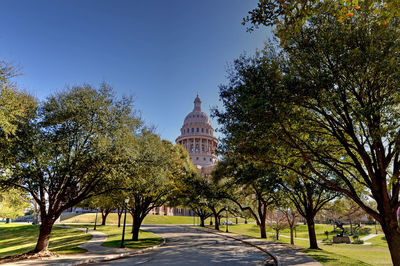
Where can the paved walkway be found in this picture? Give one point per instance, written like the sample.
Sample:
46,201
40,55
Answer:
286,254
365,238
95,252
188,246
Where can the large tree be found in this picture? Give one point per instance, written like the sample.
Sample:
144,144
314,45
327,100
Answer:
66,153
106,203
331,99
203,194
148,177
288,16
250,186
308,199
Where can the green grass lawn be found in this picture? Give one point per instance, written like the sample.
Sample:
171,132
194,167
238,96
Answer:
337,254
20,238
146,239
150,219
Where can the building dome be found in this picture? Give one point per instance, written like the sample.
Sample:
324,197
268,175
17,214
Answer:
197,136
197,116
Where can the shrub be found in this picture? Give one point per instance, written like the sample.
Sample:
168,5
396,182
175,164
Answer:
358,242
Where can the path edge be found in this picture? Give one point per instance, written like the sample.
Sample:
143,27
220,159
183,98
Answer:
121,255
272,255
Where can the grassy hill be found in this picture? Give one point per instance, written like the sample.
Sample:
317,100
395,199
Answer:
150,219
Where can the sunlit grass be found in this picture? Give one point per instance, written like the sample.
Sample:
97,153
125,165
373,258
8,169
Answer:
336,254
20,238
146,239
150,219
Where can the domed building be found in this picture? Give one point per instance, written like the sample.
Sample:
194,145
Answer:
197,136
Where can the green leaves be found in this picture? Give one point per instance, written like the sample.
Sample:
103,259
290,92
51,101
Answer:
288,17
13,203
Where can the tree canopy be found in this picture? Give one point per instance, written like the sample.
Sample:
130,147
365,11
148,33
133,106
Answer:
329,98
66,152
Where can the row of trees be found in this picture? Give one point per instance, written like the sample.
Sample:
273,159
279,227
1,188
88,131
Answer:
83,144
322,108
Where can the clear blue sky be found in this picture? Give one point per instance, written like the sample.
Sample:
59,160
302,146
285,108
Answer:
160,52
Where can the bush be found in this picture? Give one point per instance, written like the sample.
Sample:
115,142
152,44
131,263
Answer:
358,242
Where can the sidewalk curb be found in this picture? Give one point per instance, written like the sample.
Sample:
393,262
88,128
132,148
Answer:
110,256
272,255
118,255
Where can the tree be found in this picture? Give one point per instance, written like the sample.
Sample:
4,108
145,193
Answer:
66,153
252,188
347,210
13,203
331,99
148,177
287,16
216,199
106,203
16,105
205,195
277,221
308,198
194,192
287,208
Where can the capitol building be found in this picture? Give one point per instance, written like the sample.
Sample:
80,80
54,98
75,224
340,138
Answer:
197,136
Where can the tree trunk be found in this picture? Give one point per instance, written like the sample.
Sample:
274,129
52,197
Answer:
291,235
351,227
44,235
277,234
311,233
133,221
263,230
104,217
216,221
119,218
202,221
136,228
393,238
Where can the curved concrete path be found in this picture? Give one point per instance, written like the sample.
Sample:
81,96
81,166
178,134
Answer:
190,246
184,246
286,254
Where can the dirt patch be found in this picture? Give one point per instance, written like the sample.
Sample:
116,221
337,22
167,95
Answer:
30,255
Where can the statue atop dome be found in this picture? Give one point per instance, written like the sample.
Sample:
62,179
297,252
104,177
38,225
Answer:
197,104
